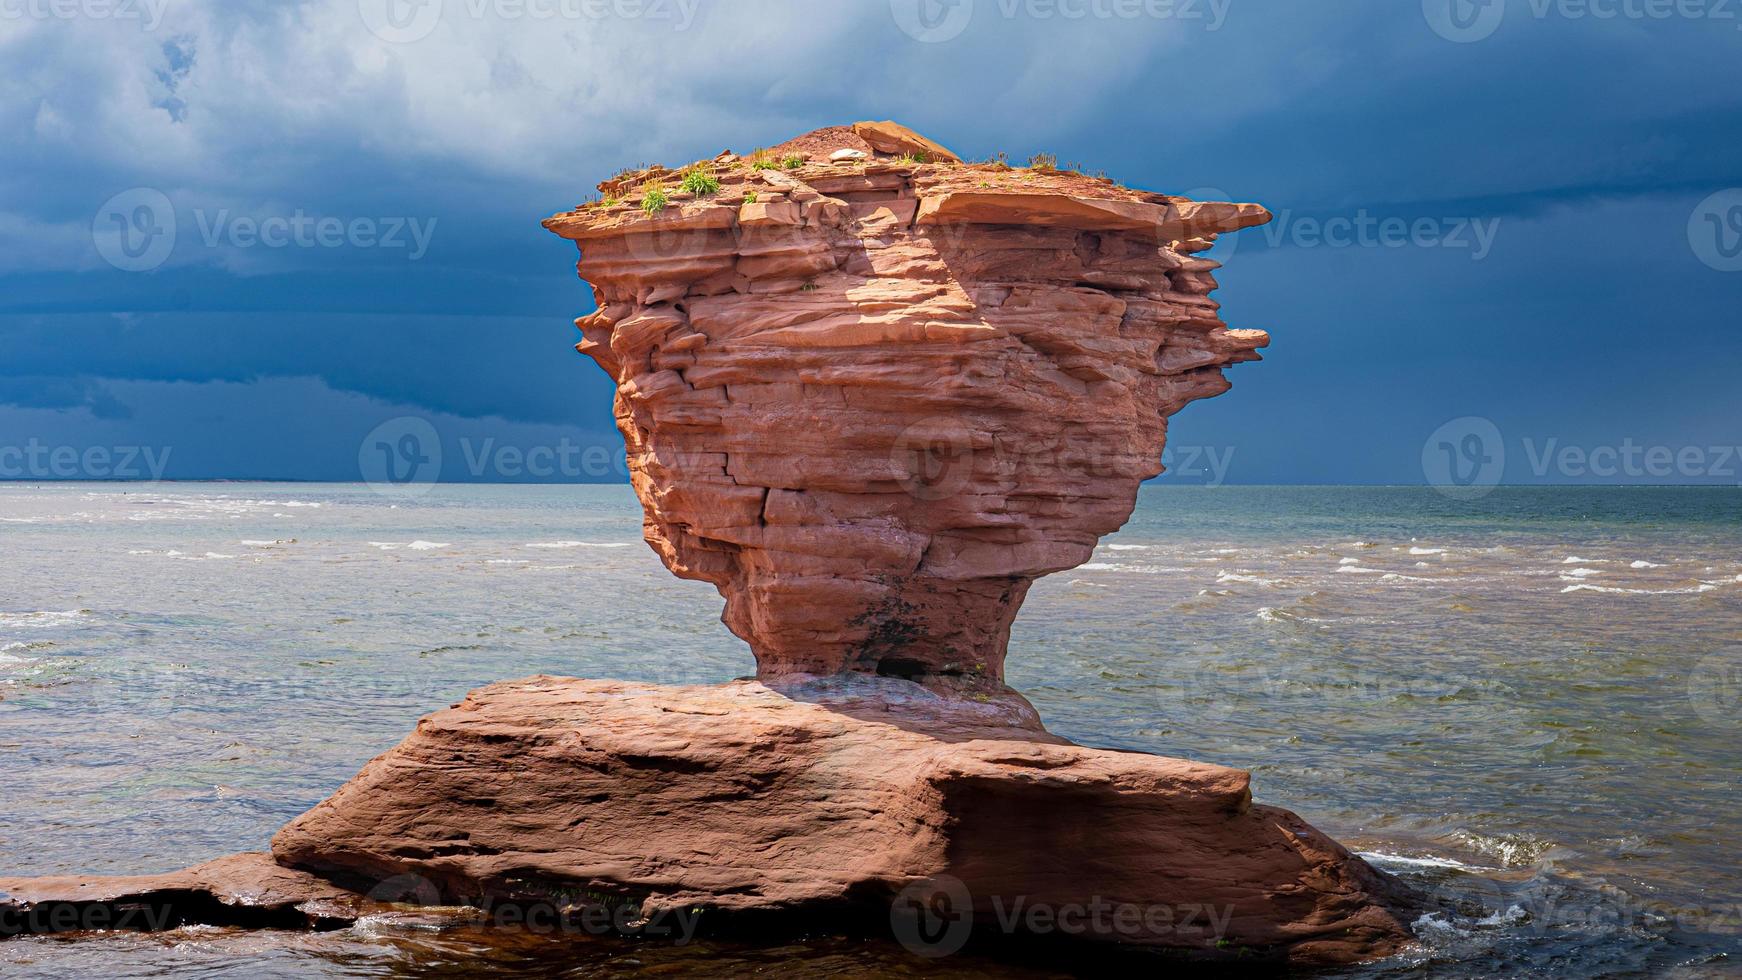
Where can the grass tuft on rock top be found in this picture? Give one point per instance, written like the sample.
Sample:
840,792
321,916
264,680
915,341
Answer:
701,183
653,201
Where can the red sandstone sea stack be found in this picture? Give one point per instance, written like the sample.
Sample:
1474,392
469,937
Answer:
871,393
873,399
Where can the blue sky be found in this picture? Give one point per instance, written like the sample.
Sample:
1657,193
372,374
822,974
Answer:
1526,216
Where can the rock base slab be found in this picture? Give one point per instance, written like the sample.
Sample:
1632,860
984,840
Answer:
854,799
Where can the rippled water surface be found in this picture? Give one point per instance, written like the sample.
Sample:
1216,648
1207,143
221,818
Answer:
1528,703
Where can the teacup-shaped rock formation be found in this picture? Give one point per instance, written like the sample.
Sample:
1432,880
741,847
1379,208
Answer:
872,400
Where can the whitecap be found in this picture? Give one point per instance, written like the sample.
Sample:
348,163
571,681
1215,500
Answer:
1248,578
1349,561
1127,547
1645,564
421,545
267,544
1427,551
1581,573
41,619
1586,587
1358,570
1384,859
507,561
1512,916
1576,560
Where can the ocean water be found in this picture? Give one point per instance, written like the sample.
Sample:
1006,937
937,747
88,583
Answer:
1528,704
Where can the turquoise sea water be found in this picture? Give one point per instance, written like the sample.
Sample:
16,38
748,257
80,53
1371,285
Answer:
1529,702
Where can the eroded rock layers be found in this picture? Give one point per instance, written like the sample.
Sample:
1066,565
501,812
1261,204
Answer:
873,400
836,797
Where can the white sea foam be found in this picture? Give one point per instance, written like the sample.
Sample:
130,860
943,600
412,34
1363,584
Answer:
1349,561
1386,859
1645,564
1581,573
1127,547
1245,577
41,619
1587,587
268,544
1395,577
578,544
507,561
1359,570
1576,560
1427,551
422,545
